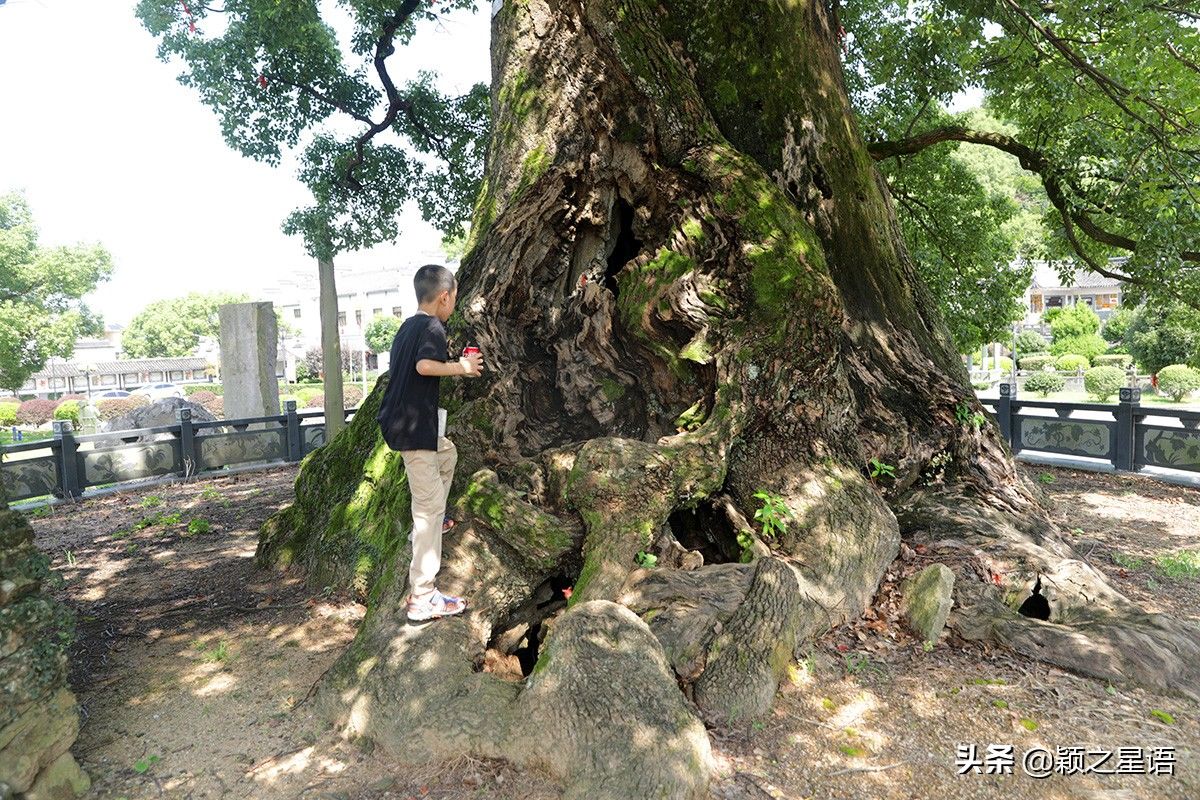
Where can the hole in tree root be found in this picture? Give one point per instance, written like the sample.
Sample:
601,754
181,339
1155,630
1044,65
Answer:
706,528
1036,605
515,646
625,247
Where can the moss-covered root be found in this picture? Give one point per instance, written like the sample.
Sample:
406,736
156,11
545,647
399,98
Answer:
625,489
619,727
750,656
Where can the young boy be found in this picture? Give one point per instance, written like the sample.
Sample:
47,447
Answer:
413,424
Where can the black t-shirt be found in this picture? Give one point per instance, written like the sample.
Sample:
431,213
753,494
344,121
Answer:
409,412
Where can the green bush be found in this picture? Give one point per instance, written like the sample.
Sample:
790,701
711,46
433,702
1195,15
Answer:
1030,342
194,388
1178,381
1113,360
1036,363
68,409
1071,362
1044,383
1117,325
8,413
1088,345
1103,382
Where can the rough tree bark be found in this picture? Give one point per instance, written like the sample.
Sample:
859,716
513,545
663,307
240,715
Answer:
690,286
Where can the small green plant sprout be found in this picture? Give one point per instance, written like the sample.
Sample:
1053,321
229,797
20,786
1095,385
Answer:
1000,703
171,519
151,501
217,654
39,512
198,525
1029,725
210,493
145,522
773,515
926,646
881,469
1110,690
69,557
646,560
1162,716
1181,565
143,765
966,416
1127,562
1046,478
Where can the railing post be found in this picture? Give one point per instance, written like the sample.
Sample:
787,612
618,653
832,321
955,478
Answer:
68,467
1004,412
295,446
187,441
1130,400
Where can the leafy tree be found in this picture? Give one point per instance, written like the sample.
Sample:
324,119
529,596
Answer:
1117,325
42,311
172,328
1159,335
1074,330
380,333
279,79
1092,99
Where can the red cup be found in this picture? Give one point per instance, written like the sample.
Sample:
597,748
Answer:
469,350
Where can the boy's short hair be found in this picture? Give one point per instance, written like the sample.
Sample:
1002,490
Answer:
431,280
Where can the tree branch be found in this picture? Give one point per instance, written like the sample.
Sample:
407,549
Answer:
319,96
383,48
1033,161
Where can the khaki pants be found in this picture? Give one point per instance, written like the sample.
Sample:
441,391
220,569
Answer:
429,476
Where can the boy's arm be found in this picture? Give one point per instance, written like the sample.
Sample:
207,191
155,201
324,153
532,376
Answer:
445,369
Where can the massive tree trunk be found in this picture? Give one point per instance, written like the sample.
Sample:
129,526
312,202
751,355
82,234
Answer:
690,287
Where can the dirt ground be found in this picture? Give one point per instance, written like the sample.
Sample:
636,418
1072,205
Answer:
193,669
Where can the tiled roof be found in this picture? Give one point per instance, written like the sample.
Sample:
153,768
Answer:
1045,276
71,370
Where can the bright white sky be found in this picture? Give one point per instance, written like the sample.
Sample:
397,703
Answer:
109,148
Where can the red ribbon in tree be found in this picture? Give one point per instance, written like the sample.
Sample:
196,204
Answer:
262,81
191,20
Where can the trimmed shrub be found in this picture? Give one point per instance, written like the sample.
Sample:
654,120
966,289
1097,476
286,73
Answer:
1113,360
113,407
352,395
1103,382
1045,382
214,389
1030,342
68,409
1071,362
1036,363
8,413
36,412
209,401
1178,381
